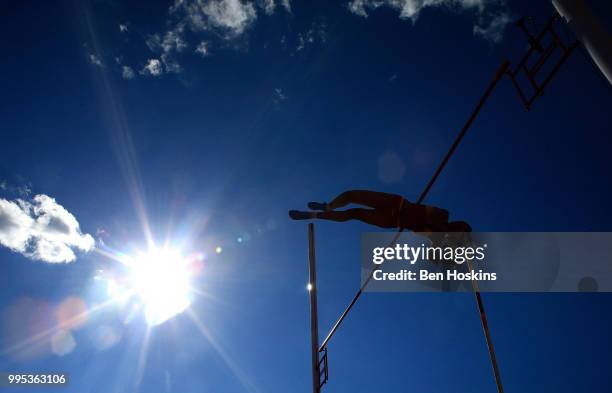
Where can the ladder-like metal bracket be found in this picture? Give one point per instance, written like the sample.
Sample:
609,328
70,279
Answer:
540,54
323,370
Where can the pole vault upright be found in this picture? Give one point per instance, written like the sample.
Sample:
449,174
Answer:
314,319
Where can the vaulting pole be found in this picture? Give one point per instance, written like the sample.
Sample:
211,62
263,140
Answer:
314,319
487,333
498,76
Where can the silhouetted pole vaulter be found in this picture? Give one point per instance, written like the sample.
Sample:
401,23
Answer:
422,217
384,211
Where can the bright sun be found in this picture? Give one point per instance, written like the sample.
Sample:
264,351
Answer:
161,280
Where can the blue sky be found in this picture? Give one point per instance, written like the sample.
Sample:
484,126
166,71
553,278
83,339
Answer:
248,111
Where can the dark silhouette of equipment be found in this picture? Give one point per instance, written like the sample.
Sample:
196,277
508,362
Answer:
533,42
539,64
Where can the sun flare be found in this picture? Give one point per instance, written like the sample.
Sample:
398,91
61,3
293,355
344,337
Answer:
160,279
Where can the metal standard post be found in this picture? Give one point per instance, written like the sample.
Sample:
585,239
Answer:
314,321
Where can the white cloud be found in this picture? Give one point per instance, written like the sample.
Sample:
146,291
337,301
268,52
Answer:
153,67
287,5
358,7
127,72
301,43
202,49
23,190
41,229
123,28
170,64
317,32
410,9
167,46
15,226
268,6
226,19
279,97
233,17
172,41
95,60
279,94
492,27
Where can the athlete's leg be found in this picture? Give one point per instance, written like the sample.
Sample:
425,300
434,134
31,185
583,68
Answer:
369,216
373,199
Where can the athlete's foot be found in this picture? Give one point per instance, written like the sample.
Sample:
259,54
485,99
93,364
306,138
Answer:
299,215
322,206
